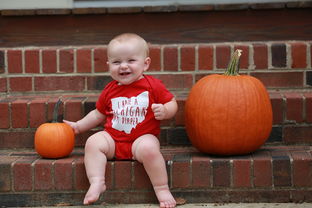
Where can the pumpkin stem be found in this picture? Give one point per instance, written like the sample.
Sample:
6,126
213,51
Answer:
233,67
55,111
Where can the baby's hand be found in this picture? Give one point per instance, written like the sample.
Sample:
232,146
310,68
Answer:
160,111
74,126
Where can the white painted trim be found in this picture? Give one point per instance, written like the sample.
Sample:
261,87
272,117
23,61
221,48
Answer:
36,4
70,4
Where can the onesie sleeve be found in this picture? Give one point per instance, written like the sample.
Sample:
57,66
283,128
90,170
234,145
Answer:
161,93
101,104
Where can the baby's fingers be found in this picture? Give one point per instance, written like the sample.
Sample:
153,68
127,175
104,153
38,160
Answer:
68,122
73,125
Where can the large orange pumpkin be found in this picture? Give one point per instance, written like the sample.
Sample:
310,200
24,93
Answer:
54,140
228,114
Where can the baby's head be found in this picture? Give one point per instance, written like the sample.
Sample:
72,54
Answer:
128,38
127,58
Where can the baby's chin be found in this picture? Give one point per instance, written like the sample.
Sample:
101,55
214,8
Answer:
127,79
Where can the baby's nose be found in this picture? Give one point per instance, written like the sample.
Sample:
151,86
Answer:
124,65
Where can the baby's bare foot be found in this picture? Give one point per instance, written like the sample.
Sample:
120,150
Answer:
164,197
94,192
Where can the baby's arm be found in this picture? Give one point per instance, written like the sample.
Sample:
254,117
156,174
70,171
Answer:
165,111
90,121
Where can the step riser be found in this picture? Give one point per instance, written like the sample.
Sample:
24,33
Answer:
20,116
84,69
146,197
269,175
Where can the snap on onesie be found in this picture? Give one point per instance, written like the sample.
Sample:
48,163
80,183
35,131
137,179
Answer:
128,111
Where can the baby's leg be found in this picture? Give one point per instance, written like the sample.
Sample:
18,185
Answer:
146,149
99,147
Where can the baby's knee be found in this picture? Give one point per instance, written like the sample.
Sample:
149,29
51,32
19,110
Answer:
149,150
91,143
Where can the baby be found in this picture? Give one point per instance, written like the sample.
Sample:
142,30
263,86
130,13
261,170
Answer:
132,106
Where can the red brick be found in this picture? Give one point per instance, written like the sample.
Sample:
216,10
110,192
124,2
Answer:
170,56
32,61
297,134
281,171
63,174
59,83
17,139
262,170
260,56
49,61
154,54
181,175
23,174
123,175
3,85
66,57
310,53
73,109
279,55
19,114
280,79
180,81
277,108
100,60
308,105
244,59
179,117
2,68
83,60
302,169
299,55
81,181
241,173
201,172
223,55
205,57
43,174
15,61
141,179
37,112
188,58
109,175
5,172
221,171
294,107
20,84
5,115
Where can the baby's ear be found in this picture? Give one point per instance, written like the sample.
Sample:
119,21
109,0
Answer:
147,63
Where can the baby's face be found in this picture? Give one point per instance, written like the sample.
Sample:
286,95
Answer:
127,61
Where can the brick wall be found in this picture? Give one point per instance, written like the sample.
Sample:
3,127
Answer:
33,78
280,65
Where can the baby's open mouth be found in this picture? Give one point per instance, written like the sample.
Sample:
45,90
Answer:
124,73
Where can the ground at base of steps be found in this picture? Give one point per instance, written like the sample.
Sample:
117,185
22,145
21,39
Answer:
200,205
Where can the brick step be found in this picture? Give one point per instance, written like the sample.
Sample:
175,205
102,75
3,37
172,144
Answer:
271,174
21,115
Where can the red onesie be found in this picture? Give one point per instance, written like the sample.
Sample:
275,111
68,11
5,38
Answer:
128,111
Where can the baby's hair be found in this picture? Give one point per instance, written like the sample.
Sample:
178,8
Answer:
131,36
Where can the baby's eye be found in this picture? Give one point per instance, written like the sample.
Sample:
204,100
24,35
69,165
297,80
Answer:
116,62
131,60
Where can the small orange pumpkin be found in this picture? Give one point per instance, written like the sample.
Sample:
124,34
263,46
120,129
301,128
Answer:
54,140
228,114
